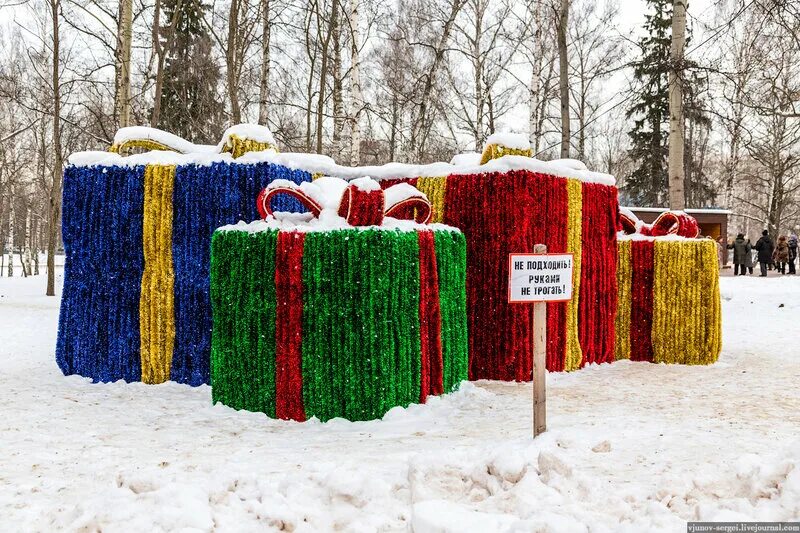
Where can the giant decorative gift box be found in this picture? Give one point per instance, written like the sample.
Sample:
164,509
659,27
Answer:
507,206
669,302
338,315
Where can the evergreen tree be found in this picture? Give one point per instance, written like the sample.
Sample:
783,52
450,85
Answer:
648,183
190,104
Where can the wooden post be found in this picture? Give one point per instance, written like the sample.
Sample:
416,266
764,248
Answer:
539,328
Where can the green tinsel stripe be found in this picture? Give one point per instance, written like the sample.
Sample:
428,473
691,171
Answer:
451,257
244,308
361,343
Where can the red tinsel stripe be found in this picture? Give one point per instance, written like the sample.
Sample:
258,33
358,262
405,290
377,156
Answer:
598,292
501,213
430,319
289,327
641,300
394,181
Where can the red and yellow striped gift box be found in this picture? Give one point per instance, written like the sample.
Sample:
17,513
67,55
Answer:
669,301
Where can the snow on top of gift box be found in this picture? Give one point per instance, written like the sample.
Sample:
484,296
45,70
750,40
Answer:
516,141
168,149
336,204
253,132
466,159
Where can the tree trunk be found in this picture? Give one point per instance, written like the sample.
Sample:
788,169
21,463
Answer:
232,62
338,100
357,101
323,73
534,90
477,67
677,199
55,190
263,93
122,96
563,64
35,245
11,220
393,133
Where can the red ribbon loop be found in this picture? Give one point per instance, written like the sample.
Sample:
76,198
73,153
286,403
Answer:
417,209
266,195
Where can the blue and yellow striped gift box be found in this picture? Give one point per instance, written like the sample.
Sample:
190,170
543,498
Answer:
135,303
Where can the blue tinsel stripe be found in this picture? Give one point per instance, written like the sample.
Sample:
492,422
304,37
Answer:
98,333
204,198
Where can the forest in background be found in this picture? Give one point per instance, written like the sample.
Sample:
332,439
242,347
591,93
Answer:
369,82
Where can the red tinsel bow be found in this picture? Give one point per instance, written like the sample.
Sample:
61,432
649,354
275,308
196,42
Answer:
667,223
361,202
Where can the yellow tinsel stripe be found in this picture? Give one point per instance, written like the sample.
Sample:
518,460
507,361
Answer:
145,144
574,356
687,322
156,303
316,176
238,146
623,320
495,151
434,188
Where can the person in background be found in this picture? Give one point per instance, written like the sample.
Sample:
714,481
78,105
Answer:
792,253
765,247
781,254
748,260
741,252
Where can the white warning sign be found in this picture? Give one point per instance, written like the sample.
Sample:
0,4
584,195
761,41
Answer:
540,278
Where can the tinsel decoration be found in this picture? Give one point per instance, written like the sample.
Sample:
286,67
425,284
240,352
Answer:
434,188
98,327
237,146
669,301
157,301
289,330
382,320
507,212
598,287
130,145
687,322
496,151
623,320
502,213
107,224
675,223
641,312
573,357
362,208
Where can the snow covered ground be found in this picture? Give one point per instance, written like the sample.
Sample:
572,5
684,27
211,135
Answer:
630,447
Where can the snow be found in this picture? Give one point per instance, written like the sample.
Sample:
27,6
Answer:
163,137
400,192
630,446
317,164
253,132
365,184
328,220
466,159
516,141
